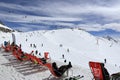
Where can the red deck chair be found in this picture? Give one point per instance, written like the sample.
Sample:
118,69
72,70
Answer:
26,57
57,72
39,61
3,46
49,66
15,54
96,70
36,60
7,48
23,56
33,59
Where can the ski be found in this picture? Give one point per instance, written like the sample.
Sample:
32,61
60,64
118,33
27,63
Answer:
74,77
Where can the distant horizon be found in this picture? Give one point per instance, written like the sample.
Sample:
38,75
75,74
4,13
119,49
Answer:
102,33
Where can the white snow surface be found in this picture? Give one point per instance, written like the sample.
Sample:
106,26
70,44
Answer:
83,47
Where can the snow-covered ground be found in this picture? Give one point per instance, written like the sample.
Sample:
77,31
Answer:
78,46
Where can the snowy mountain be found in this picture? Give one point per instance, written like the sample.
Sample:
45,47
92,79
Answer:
77,46
4,28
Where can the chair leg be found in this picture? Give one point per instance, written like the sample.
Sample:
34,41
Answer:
49,76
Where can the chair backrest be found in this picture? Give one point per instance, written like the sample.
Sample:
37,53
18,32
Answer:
38,60
15,54
33,59
7,48
96,70
49,66
27,56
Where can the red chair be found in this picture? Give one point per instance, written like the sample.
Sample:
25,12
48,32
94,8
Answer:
7,48
99,71
57,72
49,66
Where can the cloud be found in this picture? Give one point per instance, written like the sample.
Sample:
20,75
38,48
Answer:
67,9
91,27
64,13
99,27
114,26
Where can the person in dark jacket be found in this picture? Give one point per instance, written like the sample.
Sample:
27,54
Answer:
106,75
5,43
60,71
105,60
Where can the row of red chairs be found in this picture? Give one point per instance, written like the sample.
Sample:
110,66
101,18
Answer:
20,55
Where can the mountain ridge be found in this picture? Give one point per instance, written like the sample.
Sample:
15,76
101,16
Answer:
4,28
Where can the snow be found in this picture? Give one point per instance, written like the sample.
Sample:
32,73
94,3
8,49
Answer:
5,36
83,47
3,26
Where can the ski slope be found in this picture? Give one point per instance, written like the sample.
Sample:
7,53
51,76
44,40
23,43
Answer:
78,46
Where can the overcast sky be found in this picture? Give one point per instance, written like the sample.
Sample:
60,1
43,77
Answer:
91,15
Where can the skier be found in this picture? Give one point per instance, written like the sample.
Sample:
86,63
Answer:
63,56
36,52
20,45
30,45
26,40
105,60
34,45
61,45
39,53
42,44
68,50
0,48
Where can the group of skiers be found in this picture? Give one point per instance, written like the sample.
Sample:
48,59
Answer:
33,45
